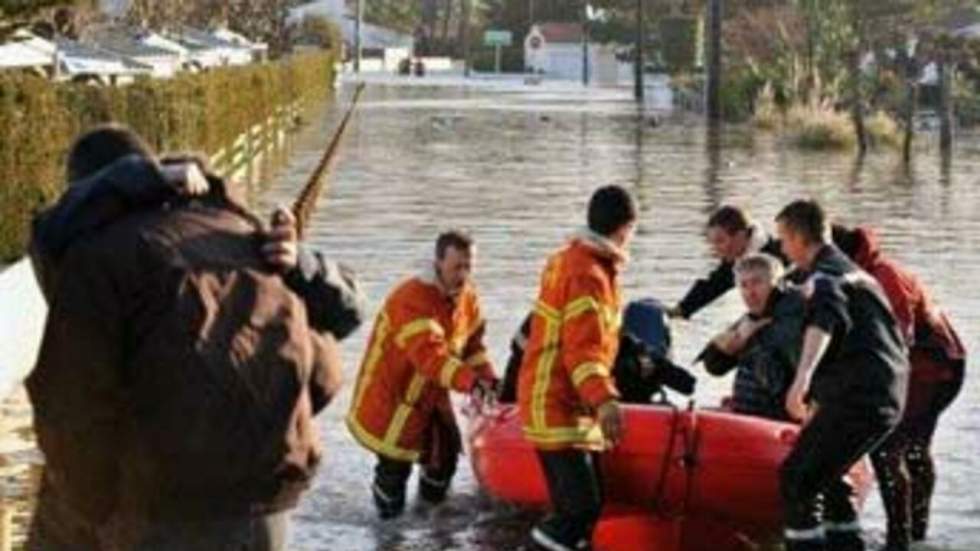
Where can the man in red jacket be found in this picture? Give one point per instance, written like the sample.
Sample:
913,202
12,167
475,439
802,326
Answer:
903,463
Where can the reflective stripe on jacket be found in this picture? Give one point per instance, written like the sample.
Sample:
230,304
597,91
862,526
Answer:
566,371
423,344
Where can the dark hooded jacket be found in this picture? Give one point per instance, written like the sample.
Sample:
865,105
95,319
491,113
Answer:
114,257
865,367
722,279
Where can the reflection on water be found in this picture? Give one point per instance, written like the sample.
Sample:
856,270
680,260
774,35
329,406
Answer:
515,166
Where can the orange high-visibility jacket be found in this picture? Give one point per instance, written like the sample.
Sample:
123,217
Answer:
423,343
566,371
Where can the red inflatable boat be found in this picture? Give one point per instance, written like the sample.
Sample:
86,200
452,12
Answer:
680,480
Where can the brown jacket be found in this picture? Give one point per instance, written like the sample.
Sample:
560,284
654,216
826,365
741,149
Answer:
115,434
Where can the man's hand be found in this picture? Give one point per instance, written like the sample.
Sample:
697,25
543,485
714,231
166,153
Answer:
732,341
675,312
747,327
484,392
186,178
281,248
815,344
611,422
796,405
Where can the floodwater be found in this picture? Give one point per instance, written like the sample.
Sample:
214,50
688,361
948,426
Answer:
515,165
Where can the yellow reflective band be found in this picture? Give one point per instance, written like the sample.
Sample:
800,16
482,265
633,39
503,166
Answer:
580,306
415,389
478,359
448,371
546,311
590,435
413,328
368,440
585,370
613,317
398,421
542,373
375,352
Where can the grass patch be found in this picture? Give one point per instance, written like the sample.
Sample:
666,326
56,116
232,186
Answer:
817,126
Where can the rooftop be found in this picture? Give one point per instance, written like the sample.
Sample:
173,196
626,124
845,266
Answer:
559,33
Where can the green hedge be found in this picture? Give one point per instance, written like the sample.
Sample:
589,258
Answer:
193,112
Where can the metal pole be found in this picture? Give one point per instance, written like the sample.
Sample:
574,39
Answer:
585,43
640,45
358,19
714,60
465,36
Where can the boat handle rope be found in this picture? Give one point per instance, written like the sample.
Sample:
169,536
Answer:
688,459
658,495
692,439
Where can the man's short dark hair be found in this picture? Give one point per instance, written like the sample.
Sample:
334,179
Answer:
805,217
102,146
457,239
610,208
845,238
729,218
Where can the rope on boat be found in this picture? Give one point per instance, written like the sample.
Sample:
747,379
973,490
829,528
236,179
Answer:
305,204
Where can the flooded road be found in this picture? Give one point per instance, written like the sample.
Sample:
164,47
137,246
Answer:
515,165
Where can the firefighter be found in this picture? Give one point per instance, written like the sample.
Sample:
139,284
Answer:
568,402
427,340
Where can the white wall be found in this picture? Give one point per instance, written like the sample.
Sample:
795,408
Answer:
561,61
162,67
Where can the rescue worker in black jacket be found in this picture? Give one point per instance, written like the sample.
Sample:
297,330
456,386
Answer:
732,235
850,384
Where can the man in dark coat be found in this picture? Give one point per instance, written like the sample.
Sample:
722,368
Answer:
763,346
107,257
850,384
732,235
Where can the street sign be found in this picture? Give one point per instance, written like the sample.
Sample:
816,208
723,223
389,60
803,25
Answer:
498,38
